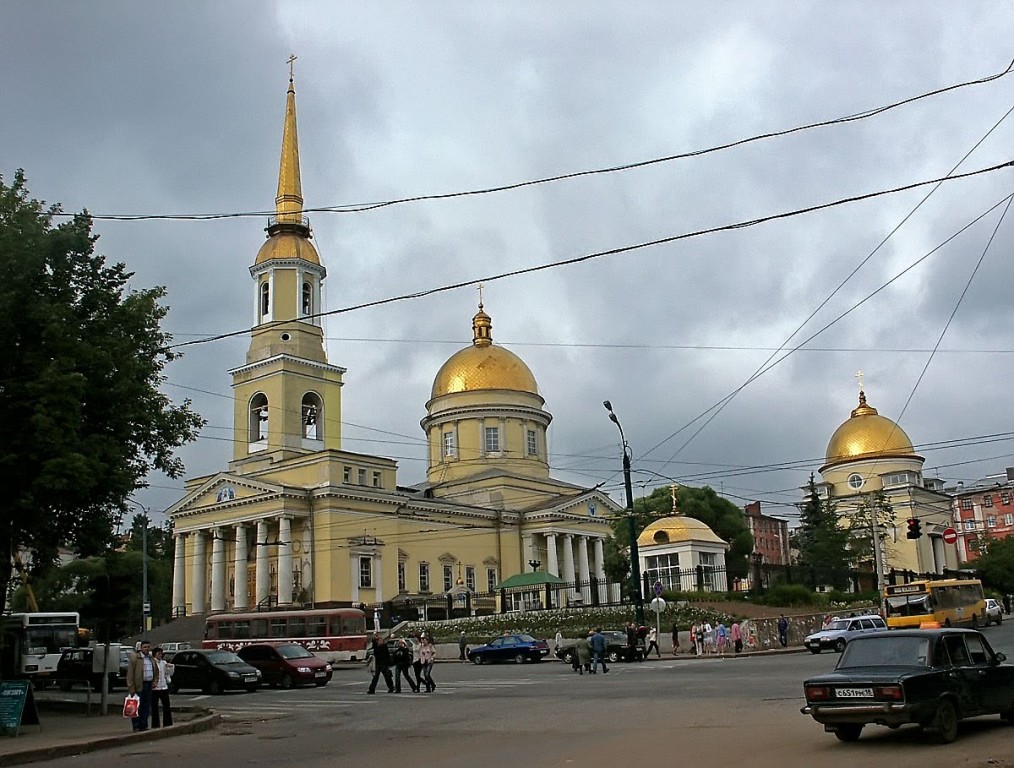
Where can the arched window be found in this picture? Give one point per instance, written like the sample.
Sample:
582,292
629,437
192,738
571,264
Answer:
258,418
313,428
265,299
307,298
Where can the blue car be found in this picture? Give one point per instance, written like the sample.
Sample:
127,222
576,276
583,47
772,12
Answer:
516,648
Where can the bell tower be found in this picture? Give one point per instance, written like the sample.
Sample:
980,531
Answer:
287,397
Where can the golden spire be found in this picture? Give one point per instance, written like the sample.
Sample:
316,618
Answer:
673,488
289,201
482,327
864,408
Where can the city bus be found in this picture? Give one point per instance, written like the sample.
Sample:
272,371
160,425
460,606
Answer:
333,634
33,642
947,602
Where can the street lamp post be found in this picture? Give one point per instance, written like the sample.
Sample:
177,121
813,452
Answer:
635,565
145,607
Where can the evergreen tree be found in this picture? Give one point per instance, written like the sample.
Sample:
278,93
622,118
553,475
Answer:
823,544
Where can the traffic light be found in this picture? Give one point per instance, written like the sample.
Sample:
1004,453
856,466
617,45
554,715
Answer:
914,528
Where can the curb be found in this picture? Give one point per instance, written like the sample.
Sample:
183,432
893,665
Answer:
70,749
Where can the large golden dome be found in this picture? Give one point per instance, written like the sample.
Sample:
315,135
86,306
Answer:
866,434
483,365
287,245
675,529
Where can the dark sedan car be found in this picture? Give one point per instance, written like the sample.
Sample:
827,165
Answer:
75,667
212,672
932,678
617,648
516,648
286,664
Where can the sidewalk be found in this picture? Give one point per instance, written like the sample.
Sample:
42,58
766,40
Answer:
66,731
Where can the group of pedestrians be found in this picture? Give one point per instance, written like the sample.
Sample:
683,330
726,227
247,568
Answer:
589,652
417,654
148,678
706,639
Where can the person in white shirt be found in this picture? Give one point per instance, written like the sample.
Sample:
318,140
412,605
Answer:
160,691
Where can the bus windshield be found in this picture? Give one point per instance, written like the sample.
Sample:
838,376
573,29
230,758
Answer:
909,605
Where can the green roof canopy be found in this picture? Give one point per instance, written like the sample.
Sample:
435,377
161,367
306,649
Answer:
535,579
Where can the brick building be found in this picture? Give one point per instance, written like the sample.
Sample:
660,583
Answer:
770,535
983,511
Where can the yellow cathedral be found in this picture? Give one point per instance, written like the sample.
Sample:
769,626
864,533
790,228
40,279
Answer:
870,453
296,521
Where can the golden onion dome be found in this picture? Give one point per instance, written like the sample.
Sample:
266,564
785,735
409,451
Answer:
867,434
676,529
483,365
287,245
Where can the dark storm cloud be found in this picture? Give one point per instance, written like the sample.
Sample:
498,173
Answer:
136,108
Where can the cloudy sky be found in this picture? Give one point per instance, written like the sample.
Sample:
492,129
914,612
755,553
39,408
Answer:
176,108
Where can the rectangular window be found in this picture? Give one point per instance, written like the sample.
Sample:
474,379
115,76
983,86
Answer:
278,627
969,525
449,447
987,501
362,477
1008,519
1005,498
366,572
448,578
402,581
966,502
492,439
491,579
424,577
991,521
376,479
470,577
346,475
533,446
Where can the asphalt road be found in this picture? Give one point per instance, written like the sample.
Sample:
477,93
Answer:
742,711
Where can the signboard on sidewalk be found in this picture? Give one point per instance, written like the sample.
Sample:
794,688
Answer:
17,706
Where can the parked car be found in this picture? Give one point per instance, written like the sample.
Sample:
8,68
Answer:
930,677
75,667
171,649
212,672
286,664
836,634
617,648
994,611
516,648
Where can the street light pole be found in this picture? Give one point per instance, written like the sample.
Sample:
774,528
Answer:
144,567
635,565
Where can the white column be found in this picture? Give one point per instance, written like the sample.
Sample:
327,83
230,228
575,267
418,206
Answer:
180,575
553,565
284,560
378,579
263,576
600,569
568,560
354,582
199,575
583,571
527,550
241,598
217,570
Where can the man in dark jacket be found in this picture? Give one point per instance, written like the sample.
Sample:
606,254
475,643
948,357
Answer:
402,657
381,664
598,648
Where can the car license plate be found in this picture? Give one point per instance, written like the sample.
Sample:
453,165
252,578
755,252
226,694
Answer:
249,678
854,693
319,674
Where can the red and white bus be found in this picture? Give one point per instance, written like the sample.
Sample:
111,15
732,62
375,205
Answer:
333,634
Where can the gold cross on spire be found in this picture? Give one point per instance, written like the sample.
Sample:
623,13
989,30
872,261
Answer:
672,492
859,376
291,60
480,295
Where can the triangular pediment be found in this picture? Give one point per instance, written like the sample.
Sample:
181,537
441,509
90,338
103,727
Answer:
221,491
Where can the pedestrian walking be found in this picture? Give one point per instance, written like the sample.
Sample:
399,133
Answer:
376,619
598,648
428,655
142,676
416,644
1006,604
783,630
709,638
462,646
582,652
675,638
737,637
557,642
160,692
721,637
652,643
381,664
402,657
631,642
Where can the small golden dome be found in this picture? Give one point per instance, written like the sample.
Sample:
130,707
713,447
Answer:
287,245
676,529
483,365
866,434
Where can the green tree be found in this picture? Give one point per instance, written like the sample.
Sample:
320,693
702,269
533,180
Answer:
721,515
877,507
995,564
823,545
81,363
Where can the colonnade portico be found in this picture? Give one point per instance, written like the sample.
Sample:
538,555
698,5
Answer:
587,566
273,555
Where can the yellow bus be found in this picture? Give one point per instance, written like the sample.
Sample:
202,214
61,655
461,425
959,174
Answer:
948,602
